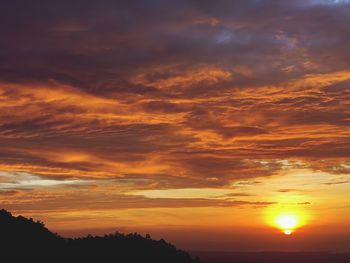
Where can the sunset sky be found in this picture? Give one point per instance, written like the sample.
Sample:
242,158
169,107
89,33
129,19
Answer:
193,120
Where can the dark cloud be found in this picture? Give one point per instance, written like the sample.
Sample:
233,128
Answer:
9,193
63,202
96,45
185,94
286,190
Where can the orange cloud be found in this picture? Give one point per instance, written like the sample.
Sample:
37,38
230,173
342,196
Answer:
113,99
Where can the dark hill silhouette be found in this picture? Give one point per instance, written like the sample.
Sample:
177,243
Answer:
26,240
273,257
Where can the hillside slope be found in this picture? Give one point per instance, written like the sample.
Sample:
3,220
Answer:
23,238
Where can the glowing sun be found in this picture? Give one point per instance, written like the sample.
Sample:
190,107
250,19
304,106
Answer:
286,219
287,222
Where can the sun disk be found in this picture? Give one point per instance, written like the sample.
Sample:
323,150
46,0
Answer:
288,232
287,223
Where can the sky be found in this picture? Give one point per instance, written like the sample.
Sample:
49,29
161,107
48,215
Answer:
196,121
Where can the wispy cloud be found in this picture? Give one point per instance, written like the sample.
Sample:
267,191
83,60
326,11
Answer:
165,98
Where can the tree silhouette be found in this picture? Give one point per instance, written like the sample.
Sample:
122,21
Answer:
29,240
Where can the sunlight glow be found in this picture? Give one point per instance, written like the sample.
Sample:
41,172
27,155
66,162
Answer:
288,232
287,221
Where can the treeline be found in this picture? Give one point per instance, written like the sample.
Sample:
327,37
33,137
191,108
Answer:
28,240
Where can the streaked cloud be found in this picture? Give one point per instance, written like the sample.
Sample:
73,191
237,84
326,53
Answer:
17,181
164,104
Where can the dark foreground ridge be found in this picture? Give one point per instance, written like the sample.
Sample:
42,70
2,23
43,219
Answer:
30,241
273,257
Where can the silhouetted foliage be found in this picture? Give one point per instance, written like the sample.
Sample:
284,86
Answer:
23,238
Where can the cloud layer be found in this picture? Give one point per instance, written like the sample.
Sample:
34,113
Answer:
150,95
